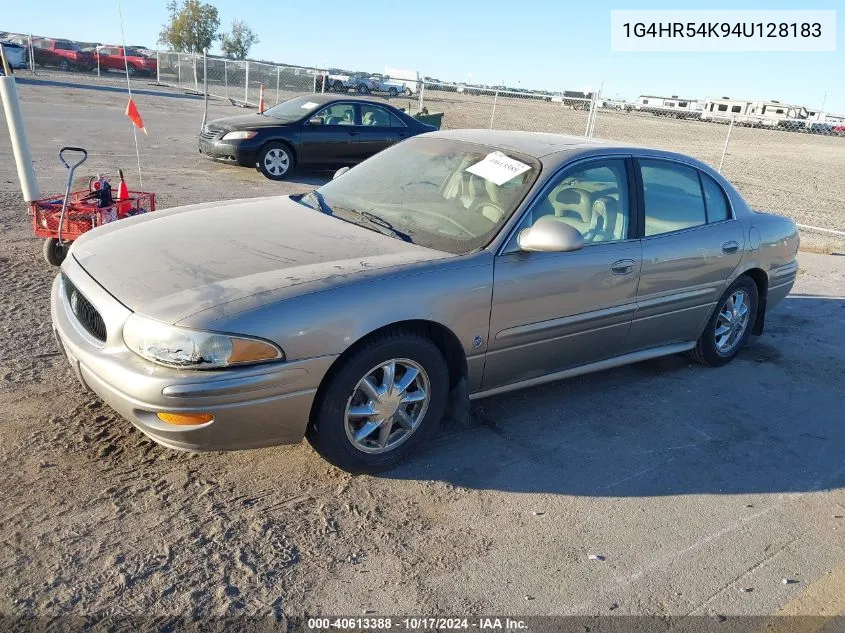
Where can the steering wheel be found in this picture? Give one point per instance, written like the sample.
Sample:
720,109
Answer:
497,210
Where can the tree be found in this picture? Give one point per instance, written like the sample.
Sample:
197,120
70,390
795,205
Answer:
193,27
236,44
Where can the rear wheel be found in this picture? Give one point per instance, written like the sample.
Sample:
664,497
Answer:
381,404
64,65
54,254
131,70
363,89
730,326
275,160
392,92
337,86
407,92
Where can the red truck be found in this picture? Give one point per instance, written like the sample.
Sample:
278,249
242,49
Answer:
123,59
65,54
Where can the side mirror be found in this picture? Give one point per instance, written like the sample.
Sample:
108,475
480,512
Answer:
340,172
315,121
549,235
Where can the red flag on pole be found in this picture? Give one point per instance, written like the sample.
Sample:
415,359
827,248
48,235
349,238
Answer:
135,116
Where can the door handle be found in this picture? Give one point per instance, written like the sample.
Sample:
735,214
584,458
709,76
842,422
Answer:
730,247
622,267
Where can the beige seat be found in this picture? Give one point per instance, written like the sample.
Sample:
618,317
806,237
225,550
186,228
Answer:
368,119
574,206
609,224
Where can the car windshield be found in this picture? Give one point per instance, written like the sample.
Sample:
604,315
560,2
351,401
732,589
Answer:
292,109
131,52
440,193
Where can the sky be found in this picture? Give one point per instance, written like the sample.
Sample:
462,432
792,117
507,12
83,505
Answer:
530,44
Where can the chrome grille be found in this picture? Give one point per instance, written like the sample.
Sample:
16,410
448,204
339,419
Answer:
208,134
87,315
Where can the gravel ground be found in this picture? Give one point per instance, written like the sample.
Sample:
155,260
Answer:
694,484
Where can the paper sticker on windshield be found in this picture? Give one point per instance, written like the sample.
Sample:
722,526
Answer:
498,168
309,106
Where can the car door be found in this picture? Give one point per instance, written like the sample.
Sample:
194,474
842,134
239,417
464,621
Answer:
691,245
329,136
554,311
379,129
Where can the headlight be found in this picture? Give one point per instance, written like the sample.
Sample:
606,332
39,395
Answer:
192,349
239,136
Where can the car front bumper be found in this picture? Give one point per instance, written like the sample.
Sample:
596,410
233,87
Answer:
230,152
260,405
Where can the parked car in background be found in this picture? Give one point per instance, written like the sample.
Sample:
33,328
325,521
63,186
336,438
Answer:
454,265
383,84
125,60
15,55
315,130
64,54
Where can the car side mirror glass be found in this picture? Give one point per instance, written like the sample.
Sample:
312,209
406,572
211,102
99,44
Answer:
315,121
340,172
550,235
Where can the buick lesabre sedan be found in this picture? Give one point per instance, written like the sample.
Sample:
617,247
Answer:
452,266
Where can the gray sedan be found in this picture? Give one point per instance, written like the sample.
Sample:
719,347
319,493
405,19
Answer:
452,266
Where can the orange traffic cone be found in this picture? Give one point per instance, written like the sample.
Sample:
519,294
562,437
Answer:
124,205
261,99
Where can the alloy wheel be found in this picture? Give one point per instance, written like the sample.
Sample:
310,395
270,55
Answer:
732,322
387,405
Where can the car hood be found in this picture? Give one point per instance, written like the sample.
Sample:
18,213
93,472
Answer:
168,265
245,122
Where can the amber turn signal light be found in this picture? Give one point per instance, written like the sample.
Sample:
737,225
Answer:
185,419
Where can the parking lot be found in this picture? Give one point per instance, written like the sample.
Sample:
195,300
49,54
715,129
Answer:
705,491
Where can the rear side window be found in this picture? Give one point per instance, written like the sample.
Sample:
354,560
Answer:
714,197
672,197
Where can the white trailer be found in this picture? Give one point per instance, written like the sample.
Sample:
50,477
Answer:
674,106
756,113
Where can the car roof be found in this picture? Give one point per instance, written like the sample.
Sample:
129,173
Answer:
536,144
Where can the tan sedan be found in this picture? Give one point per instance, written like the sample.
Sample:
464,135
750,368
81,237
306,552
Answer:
451,266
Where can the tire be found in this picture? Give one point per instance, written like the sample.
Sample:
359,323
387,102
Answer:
131,70
64,65
53,253
392,92
332,433
337,86
708,350
363,89
407,92
275,161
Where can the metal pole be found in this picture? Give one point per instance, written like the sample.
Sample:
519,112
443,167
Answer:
97,54
323,82
422,90
158,68
196,79
226,78
204,88
178,70
31,56
314,86
246,84
278,73
493,114
727,140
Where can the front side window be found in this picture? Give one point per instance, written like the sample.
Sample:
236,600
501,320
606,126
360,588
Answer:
444,194
672,197
592,198
337,114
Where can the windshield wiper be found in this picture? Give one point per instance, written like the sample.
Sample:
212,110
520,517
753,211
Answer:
375,220
321,202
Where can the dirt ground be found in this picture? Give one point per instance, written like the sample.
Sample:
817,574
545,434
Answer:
707,491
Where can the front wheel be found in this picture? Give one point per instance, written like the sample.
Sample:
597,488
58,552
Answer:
54,254
64,65
392,92
408,92
275,161
363,89
730,326
381,403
